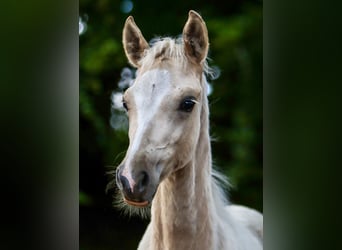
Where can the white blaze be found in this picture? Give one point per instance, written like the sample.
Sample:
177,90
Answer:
150,89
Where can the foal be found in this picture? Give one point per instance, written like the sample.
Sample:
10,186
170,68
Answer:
168,161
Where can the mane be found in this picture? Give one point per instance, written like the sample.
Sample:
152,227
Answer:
164,48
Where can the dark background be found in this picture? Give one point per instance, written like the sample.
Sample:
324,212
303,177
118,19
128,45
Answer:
235,33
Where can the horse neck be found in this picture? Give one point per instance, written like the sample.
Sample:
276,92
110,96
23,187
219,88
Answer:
182,215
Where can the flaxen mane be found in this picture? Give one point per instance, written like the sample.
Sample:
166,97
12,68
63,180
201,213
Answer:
165,48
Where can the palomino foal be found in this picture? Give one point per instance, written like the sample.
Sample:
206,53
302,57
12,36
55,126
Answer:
168,161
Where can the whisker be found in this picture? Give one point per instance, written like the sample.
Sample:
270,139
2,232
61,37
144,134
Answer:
128,210
119,155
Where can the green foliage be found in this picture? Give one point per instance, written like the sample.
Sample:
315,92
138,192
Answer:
236,110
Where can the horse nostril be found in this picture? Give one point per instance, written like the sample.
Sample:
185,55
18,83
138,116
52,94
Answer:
143,181
133,189
124,183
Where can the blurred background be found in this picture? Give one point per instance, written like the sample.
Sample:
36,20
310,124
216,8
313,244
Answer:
235,33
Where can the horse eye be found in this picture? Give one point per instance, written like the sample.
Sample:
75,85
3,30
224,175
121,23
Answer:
124,104
187,104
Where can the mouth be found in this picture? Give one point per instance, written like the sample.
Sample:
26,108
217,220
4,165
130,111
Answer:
136,203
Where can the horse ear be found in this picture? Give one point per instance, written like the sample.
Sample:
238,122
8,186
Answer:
133,41
195,36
